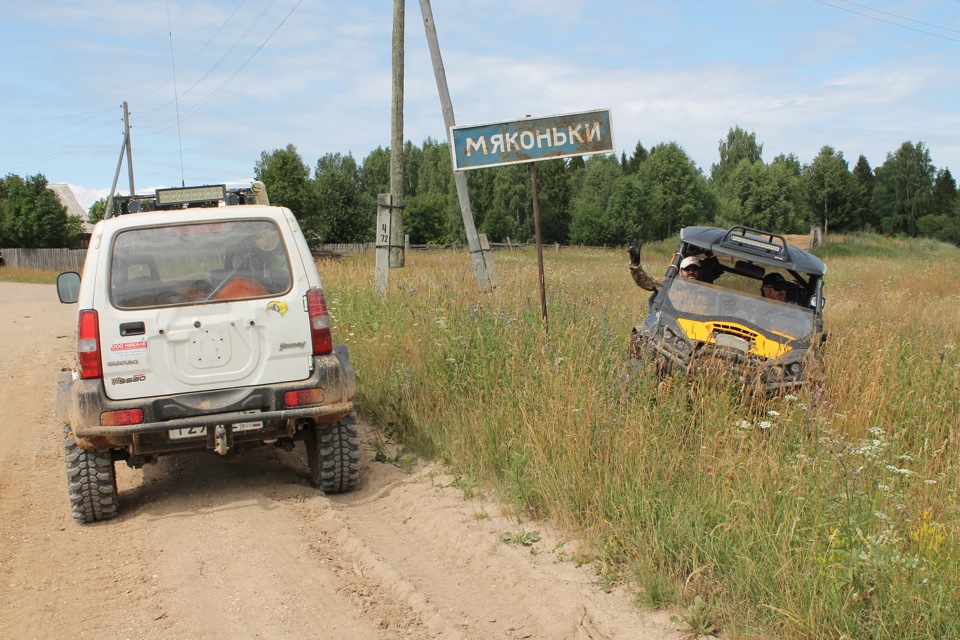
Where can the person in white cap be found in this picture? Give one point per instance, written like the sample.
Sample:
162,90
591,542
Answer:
690,268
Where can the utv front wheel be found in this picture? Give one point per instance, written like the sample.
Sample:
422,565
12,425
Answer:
91,482
333,455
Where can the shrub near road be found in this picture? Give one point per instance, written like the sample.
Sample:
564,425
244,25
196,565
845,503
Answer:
832,513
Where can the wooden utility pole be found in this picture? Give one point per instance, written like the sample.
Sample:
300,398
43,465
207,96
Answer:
124,148
396,141
483,268
126,129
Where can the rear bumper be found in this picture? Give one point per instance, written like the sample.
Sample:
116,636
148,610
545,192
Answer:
80,404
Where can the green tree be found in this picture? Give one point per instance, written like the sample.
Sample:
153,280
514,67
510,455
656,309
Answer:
739,146
863,176
676,190
32,216
632,165
903,189
287,179
591,220
764,197
945,198
944,223
627,217
511,211
375,173
553,186
425,218
97,211
344,212
830,191
432,173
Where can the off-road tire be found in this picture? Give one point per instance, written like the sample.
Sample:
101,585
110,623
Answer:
333,455
91,482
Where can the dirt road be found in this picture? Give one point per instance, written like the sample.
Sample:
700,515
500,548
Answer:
206,548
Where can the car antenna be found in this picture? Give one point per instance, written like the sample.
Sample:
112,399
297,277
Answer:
176,98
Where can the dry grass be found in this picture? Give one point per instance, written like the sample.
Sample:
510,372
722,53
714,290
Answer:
829,514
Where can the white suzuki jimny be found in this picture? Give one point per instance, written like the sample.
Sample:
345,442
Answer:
202,326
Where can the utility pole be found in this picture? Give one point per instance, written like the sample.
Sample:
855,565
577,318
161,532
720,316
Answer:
389,234
397,258
124,148
483,268
126,135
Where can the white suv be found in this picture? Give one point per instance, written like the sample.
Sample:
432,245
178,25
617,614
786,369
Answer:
202,326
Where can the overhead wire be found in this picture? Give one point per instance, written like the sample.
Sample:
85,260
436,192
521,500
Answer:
189,62
202,103
13,148
41,145
890,22
899,17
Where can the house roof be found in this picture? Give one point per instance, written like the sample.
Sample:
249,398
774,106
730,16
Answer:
69,200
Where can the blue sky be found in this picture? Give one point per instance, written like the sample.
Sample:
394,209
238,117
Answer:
256,75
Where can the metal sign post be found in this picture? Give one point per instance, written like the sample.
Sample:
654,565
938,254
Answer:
536,226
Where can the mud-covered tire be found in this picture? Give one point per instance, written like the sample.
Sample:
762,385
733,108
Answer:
333,455
91,482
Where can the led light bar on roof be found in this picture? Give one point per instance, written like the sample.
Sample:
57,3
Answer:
769,246
189,195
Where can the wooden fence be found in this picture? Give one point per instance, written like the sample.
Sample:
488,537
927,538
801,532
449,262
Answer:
45,259
72,259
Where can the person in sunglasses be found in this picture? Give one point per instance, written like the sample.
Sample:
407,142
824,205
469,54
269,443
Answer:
690,268
774,286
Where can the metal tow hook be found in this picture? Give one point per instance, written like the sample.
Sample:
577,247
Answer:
221,438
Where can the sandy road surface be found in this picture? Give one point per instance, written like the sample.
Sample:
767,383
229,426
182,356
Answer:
206,548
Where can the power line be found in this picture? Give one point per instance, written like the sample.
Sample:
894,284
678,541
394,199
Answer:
202,103
879,19
926,24
64,128
194,57
36,143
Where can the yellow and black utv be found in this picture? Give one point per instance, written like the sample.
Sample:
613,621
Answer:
755,306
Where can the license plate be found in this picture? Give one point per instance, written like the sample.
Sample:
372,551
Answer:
197,432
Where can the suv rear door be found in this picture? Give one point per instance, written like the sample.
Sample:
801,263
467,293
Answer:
206,304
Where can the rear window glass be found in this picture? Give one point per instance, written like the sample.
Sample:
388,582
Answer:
197,263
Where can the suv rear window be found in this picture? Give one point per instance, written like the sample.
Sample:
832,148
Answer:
196,263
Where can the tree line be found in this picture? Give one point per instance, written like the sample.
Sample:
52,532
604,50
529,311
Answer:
600,200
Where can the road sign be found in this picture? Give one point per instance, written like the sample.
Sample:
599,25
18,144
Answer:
531,139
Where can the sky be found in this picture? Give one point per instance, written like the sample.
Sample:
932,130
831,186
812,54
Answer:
212,84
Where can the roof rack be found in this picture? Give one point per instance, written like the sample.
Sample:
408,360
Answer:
190,197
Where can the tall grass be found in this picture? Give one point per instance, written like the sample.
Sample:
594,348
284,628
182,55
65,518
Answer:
21,274
832,513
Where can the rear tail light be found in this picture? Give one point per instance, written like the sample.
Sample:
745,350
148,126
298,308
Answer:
88,344
319,322
303,397
121,418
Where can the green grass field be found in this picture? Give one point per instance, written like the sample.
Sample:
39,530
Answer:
832,513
